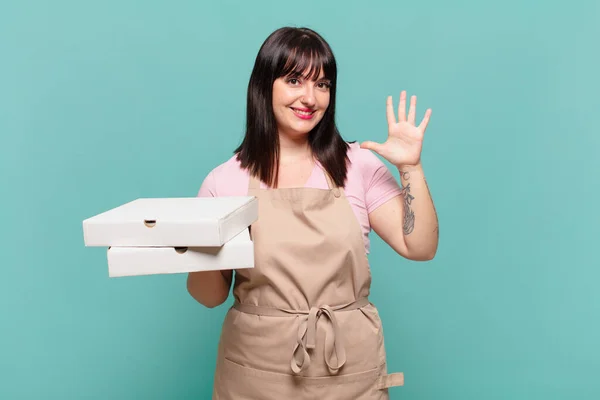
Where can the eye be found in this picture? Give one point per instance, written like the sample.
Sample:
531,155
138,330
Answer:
324,85
293,81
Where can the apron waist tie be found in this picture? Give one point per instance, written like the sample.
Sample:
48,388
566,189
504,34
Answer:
307,331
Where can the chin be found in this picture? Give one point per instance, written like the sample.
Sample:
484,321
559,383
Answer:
303,130
304,126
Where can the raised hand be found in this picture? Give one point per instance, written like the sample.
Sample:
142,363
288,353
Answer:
405,140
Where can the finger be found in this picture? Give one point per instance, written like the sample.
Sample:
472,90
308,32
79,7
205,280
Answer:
412,110
376,147
402,107
425,121
391,118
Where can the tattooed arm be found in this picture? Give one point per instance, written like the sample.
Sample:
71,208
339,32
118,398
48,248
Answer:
409,223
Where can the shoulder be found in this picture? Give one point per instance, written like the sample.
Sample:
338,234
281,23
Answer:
369,174
226,179
364,162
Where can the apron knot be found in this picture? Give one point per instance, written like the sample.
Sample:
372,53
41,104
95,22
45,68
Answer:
307,332
334,352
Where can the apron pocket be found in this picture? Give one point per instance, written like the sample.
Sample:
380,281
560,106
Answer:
235,382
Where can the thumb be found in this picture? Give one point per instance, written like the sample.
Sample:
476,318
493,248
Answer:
376,147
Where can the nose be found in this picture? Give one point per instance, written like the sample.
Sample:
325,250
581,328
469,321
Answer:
308,97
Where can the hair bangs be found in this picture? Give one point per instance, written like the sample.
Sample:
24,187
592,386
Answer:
307,60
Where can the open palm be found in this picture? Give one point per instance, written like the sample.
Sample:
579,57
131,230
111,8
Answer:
405,140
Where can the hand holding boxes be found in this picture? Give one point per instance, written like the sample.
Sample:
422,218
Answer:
175,235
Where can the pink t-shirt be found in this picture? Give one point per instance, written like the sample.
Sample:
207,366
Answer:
369,184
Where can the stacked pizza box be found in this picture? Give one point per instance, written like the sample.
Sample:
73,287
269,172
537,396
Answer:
175,235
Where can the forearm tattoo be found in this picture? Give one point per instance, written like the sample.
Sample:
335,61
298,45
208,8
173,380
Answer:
409,215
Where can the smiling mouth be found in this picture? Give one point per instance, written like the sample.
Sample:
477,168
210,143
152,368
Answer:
303,112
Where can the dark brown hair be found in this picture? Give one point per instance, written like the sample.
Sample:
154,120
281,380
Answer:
290,52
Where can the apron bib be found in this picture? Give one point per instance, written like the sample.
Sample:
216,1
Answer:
302,326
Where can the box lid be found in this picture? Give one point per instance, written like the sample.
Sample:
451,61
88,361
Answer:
188,221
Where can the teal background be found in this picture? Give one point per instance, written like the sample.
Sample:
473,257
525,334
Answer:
104,102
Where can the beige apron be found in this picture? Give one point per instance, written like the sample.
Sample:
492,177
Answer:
301,326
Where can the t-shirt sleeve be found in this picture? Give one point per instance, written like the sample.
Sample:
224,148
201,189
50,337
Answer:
379,182
209,186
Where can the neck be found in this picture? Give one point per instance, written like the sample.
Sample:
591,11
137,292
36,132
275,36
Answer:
293,148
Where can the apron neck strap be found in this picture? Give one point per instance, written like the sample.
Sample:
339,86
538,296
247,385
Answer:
254,182
330,182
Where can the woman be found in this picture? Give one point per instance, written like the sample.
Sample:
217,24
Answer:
302,326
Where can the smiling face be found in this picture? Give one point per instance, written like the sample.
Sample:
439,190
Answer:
299,103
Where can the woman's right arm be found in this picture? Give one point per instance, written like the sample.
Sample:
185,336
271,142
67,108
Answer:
209,288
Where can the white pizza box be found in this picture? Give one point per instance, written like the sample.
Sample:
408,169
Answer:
237,253
172,222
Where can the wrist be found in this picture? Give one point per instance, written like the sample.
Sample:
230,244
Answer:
405,171
409,167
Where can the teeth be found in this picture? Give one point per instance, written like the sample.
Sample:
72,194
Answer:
303,112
